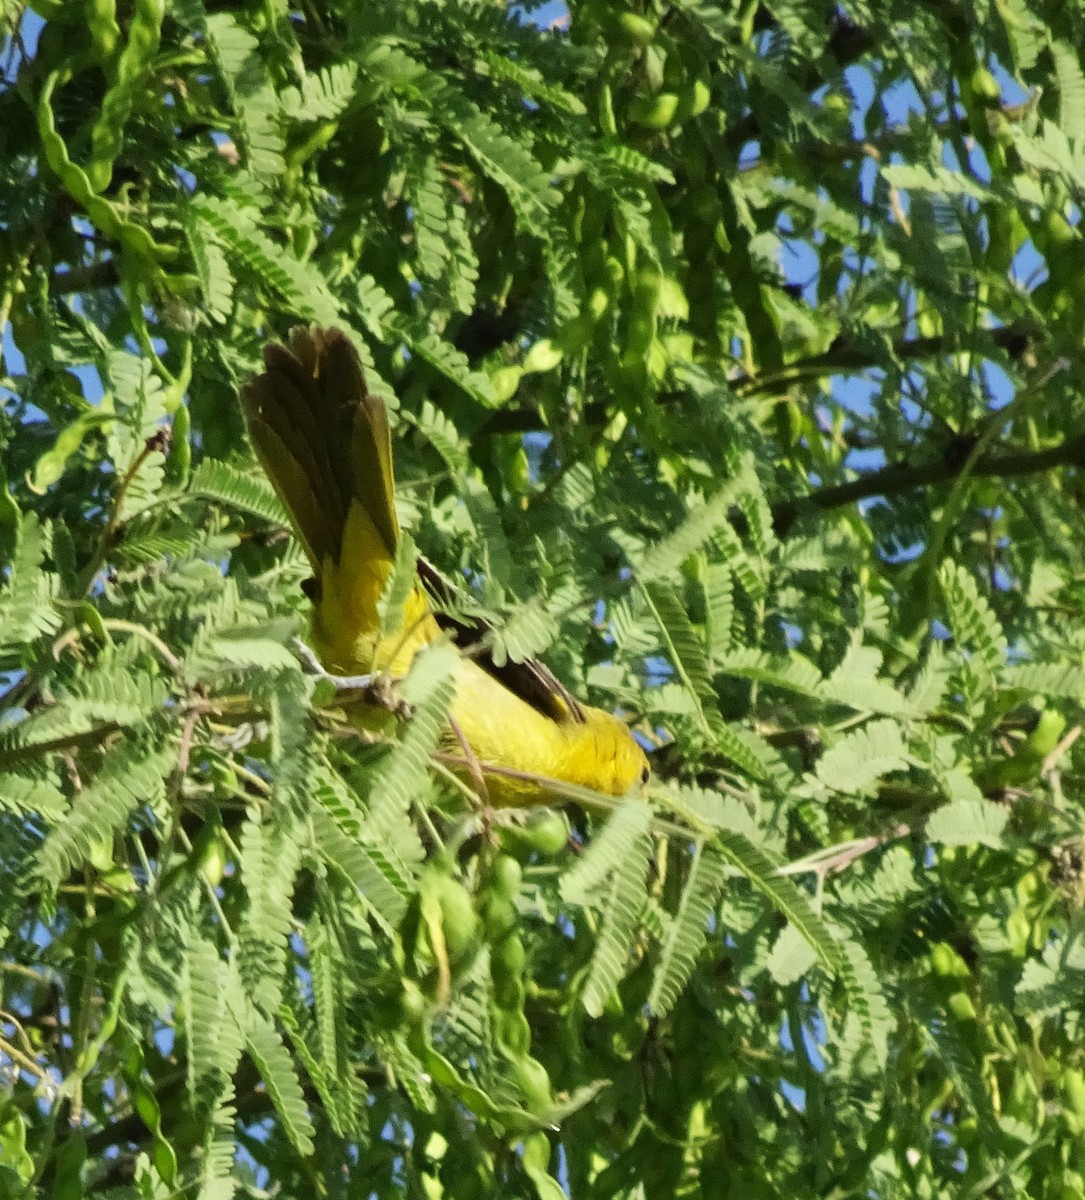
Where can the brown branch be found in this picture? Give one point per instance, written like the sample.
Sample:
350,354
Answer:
11,755
844,355
90,278
896,139
906,477
158,442
903,477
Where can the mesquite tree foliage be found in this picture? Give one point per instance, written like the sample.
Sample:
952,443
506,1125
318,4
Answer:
734,354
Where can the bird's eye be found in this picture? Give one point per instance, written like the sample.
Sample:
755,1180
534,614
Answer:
646,773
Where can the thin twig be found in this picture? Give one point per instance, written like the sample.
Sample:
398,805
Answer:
1068,739
835,858
25,1063
156,443
473,763
209,888
455,780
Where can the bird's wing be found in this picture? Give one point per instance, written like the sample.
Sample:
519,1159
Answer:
530,679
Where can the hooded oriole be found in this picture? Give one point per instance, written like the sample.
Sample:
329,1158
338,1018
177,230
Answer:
324,442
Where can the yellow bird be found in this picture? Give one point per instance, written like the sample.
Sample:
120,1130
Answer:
324,442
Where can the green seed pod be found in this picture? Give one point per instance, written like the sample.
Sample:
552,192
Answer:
508,988
545,833
459,920
533,1079
107,136
504,382
947,963
607,123
179,459
412,1004
1045,737
1073,1088
105,33
615,274
511,1031
637,29
506,875
701,94
962,1007
983,85
543,356
508,956
499,915
654,112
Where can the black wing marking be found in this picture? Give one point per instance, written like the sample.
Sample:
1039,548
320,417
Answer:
530,680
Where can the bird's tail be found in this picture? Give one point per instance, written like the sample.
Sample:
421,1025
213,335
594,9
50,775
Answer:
323,439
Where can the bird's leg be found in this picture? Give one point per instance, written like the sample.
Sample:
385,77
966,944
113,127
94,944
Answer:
374,687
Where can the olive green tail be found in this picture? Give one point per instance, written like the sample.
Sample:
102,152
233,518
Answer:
323,440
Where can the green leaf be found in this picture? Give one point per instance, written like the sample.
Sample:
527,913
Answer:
248,84
793,673
855,683
209,258
382,870
688,930
132,777
324,94
265,1046
622,900
972,619
618,840
403,780
1047,679
271,855
1071,89
876,1018
504,159
791,957
51,465
760,869
295,281
968,822
719,608
248,493
939,180
528,631
211,1041
399,586
703,521
442,435
26,600
863,756
29,796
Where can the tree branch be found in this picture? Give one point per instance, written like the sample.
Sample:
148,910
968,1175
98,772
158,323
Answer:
903,477
84,279
845,355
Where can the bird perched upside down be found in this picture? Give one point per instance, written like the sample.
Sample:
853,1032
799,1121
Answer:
323,440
